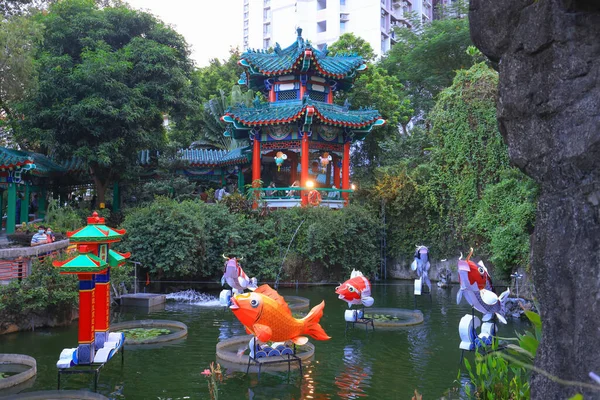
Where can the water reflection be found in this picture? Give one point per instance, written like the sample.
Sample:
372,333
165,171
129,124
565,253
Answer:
356,376
229,329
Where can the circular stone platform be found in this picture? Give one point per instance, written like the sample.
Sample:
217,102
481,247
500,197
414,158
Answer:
57,394
227,351
180,330
297,303
7,360
405,317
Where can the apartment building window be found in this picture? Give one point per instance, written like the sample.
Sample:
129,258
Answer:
342,26
321,4
267,3
246,7
266,14
342,2
266,43
245,31
266,29
245,15
321,26
246,22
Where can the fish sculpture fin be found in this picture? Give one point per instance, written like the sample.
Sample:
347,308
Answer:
262,332
223,280
268,291
243,282
501,318
300,340
248,331
355,273
367,301
253,284
459,296
311,323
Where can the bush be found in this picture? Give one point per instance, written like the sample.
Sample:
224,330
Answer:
44,293
167,237
63,219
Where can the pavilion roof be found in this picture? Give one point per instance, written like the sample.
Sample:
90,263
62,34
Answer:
289,111
205,157
95,231
300,56
82,263
115,258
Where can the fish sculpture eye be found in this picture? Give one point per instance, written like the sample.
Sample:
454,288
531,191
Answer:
350,288
481,270
254,303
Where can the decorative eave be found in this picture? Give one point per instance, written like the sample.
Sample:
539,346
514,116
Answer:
95,232
116,259
82,263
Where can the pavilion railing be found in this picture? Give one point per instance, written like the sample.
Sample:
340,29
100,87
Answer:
274,193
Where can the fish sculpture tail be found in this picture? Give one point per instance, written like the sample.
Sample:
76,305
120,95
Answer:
311,323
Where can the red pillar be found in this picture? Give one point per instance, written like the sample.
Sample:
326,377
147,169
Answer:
336,172
346,172
255,170
102,308
304,166
272,94
294,168
86,348
330,96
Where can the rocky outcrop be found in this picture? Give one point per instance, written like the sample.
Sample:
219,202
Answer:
548,56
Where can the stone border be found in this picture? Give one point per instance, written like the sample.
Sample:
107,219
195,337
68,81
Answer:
415,317
57,394
236,341
20,359
15,252
181,330
297,303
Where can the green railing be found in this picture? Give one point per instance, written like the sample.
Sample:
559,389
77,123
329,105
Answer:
274,193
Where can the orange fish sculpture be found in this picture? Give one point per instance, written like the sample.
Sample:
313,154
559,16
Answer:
356,290
266,315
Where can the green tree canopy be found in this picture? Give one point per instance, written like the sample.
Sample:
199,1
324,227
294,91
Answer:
107,76
349,43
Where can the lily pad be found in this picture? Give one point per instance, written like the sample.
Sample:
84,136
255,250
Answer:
144,334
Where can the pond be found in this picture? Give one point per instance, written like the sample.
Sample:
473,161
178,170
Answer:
384,364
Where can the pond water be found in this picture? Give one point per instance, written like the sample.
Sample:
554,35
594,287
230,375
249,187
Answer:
385,364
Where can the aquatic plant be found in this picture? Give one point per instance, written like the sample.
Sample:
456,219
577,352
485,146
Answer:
214,376
139,334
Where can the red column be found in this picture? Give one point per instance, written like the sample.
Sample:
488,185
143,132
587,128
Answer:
330,96
304,166
102,308
255,169
294,168
272,94
302,90
86,348
336,172
346,171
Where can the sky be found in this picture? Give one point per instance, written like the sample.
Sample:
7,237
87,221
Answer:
211,27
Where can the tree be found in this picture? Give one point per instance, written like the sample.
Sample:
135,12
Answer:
348,43
18,38
19,7
426,57
107,77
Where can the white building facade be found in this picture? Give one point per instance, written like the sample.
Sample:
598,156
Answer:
323,21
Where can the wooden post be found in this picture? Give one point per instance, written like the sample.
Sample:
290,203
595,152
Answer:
11,208
346,172
304,166
255,170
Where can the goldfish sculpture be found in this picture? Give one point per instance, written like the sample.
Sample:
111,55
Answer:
356,290
265,314
421,265
235,276
477,289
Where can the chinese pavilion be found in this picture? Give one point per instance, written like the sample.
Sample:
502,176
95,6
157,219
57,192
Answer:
300,125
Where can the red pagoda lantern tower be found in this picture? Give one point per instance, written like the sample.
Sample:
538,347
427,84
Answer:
92,267
300,119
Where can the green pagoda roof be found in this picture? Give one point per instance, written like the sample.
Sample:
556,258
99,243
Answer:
205,157
86,262
300,57
244,117
11,159
95,231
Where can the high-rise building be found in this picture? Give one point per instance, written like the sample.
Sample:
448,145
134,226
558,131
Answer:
323,21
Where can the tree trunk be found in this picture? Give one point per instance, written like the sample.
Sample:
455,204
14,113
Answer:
100,185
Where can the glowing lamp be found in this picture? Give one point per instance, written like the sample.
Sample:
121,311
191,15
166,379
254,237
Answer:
310,184
353,186
325,159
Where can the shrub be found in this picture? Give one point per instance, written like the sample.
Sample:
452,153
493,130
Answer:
44,293
63,219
